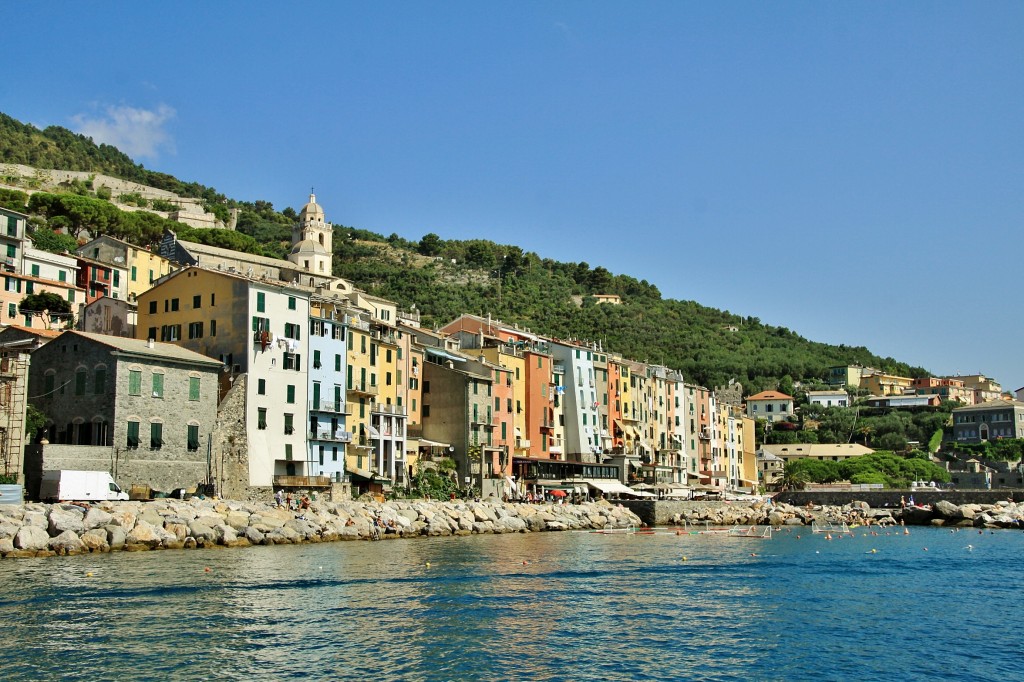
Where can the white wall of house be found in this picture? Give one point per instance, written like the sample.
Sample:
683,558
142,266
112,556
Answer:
278,368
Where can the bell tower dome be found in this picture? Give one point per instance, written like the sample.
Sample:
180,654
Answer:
311,240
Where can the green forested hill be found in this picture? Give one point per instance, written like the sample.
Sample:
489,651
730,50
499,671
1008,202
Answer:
446,278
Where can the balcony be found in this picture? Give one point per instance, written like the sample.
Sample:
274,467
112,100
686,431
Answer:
364,389
331,436
302,481
355,323
386,338
704,434
330,406
383,408
548,425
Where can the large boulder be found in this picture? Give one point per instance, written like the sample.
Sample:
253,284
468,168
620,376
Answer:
148,535
31,538
116,536
95,518
254,536
67,542
95,540
62,519
948,510
202,533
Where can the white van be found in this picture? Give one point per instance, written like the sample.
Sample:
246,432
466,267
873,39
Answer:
79,485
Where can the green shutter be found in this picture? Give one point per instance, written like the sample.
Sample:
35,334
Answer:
101,379
80,382
291,393
193,388
133,434
158,385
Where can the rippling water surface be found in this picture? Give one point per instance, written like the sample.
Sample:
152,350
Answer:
546,606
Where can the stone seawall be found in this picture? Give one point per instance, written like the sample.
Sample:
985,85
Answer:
39,530
1000,514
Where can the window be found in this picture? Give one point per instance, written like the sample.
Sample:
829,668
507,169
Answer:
289,426
387,379
261,302
213,327
12,309
12,251
426,410
100,381
337,362
292,331
288,451
197,301
156,435
261,386
291,303
261,419
158,385
35,270
117,278
195,330
291,393
316,359
174,305
134,382
134,274
133,435
213,299
193,388
193,437
152,307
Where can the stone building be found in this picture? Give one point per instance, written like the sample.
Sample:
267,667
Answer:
143,411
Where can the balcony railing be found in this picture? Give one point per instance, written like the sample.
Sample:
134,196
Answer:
356,323
330,406
384,408
547,424
302,481
365,389
334,436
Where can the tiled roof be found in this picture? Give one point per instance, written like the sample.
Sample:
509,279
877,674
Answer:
770,395
161,351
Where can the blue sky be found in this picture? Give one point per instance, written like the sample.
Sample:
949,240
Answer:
852,171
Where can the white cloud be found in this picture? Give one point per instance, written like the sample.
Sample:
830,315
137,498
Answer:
136,132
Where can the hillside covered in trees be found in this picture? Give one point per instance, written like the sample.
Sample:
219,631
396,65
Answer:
442,278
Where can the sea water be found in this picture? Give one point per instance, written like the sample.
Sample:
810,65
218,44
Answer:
928,605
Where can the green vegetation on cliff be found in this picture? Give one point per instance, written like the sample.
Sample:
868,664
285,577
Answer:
445,278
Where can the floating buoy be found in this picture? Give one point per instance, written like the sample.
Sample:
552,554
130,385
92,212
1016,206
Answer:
684,558
207,569
89,574
428,564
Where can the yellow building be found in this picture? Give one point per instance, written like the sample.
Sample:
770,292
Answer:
143,267
878,383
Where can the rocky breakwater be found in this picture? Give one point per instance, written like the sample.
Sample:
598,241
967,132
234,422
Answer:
35,530
1003,514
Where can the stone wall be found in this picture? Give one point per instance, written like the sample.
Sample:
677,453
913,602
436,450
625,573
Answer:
661,512
127,467
230,447
891,498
